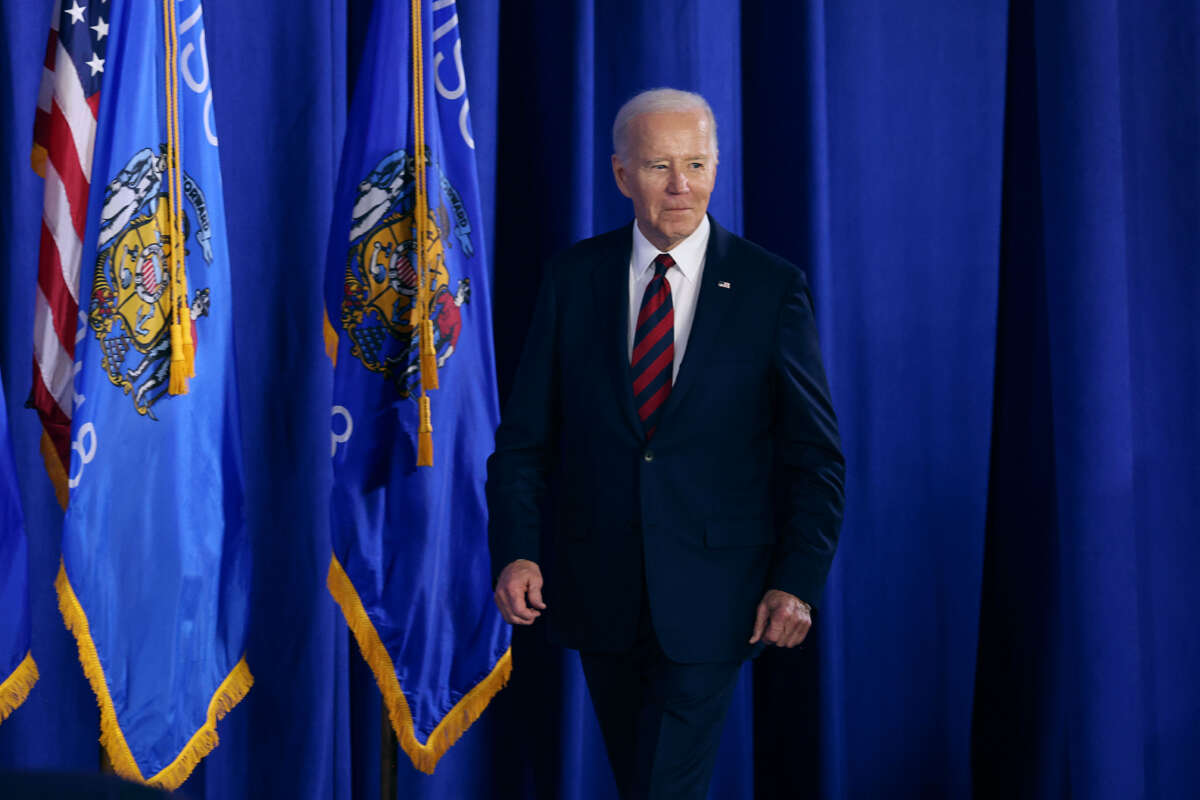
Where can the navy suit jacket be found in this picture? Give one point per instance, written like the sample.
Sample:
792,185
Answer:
739,491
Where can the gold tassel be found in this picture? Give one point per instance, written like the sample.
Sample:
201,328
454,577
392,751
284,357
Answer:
189,354
425,436
179,366
185,324
429,369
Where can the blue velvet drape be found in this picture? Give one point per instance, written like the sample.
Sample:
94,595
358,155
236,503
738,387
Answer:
997,206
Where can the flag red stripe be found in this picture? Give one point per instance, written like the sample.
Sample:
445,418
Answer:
61,149
60,104
62,305
51,49
56,424
41,125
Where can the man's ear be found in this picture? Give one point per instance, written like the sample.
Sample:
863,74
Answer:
619,175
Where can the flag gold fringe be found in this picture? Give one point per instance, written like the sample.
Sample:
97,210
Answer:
38,158
424,756
228,695
16,687
55,469
331,339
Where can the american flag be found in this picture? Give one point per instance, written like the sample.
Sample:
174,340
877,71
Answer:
64,131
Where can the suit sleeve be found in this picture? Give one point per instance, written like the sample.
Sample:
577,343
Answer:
525,440
809,469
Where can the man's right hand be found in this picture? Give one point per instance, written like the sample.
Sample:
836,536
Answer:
519,592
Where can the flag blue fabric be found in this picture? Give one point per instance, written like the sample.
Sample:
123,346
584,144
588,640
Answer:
155,573
410,564
18,672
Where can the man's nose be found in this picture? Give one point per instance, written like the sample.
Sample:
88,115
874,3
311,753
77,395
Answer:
678,183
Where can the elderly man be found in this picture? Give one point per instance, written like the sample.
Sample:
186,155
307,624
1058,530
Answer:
670,453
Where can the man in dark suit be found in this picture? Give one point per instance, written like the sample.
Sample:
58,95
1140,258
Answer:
671,453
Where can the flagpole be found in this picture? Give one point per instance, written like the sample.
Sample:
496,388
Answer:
387,759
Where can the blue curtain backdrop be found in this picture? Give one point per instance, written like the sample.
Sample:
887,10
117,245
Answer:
996,203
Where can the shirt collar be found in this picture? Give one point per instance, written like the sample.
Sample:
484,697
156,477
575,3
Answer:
688,254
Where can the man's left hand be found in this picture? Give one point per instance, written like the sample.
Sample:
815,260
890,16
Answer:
783,619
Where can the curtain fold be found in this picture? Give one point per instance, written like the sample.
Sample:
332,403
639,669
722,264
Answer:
1093,507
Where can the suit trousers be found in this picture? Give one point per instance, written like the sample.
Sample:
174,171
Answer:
661,719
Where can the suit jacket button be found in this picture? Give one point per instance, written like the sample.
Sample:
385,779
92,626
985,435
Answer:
648,455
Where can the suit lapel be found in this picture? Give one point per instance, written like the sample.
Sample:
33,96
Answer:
610,282
717,287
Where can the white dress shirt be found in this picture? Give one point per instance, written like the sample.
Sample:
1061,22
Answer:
684,279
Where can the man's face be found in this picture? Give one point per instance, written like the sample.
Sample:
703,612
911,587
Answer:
668,174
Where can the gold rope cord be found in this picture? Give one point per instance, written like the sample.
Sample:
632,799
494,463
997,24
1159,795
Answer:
420,313
182,346
189,346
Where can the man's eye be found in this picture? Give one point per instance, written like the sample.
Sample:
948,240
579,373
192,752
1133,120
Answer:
697,165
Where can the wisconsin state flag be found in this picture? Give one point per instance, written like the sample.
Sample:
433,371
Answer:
155,574
414,406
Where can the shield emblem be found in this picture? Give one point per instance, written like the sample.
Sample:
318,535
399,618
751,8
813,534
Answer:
131,298
381,291
137,269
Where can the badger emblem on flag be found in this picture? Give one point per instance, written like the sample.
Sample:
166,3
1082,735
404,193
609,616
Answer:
381,278
131,293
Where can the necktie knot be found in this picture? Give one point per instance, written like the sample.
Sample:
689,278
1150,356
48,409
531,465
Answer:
662,263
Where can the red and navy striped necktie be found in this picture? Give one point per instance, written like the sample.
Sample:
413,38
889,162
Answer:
654,346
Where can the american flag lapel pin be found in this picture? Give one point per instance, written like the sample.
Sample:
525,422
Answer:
723,284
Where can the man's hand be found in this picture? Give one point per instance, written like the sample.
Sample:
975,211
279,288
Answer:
519,592
783,619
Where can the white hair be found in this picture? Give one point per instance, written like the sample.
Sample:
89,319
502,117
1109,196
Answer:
654,101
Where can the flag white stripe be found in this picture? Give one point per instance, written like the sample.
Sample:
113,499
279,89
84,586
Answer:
68,91
46,90
56,213
52,360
